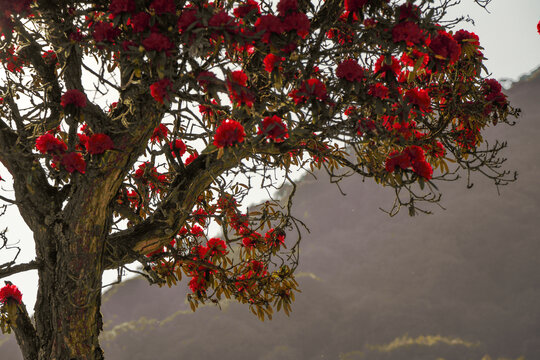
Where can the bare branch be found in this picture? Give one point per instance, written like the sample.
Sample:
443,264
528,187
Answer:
9,269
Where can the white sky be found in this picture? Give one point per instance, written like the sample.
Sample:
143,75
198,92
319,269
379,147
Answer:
512,46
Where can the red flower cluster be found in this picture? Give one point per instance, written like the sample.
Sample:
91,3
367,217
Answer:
350,70
419,98
238,92
272,61
49,144
378,90
354,5
105,31
191,158
274,129
73,97
243,10
493,92
274,238
159,134
163,7
160,90
381,66
178,148
10,292
268,25
445,47
157,42
139,22
98,144
230,132
311,89
120,6
409,32
74,161
49,57
413,156
464,37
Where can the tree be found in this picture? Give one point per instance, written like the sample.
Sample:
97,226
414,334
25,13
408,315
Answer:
127,127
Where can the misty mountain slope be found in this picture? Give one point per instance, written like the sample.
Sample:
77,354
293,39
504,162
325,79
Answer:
468,273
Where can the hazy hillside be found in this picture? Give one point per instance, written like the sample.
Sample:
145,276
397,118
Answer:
465,278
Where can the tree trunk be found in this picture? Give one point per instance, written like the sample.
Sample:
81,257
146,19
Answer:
67,313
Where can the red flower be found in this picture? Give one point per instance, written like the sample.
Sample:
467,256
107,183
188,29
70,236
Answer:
185,20
268,25
411,156
246,8
73,97
298,22
271,61
10,292
310,89
464,37
160,133
163,6
98,144
378,90
48,143
420,98
160,90
285,7
178,148
274,129
74,161
230,132
409,32
538,27
354,5
221,19
157,42
104,31
216,246
139,22
409,11
238,77
493,92
49,57
236,86
119,6
350,70
274,238
445,47
383,68
191,158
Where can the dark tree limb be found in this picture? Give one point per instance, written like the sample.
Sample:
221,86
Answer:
8,269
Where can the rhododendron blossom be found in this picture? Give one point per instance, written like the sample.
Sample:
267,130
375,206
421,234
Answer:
273,128
160,90
10,292
49,144
445,47
74,161
350,70
229,133
73,98
98,144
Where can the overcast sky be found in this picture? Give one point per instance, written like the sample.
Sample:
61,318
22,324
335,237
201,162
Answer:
512,46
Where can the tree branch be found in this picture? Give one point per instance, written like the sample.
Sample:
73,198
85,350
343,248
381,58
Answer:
8,269
25,333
